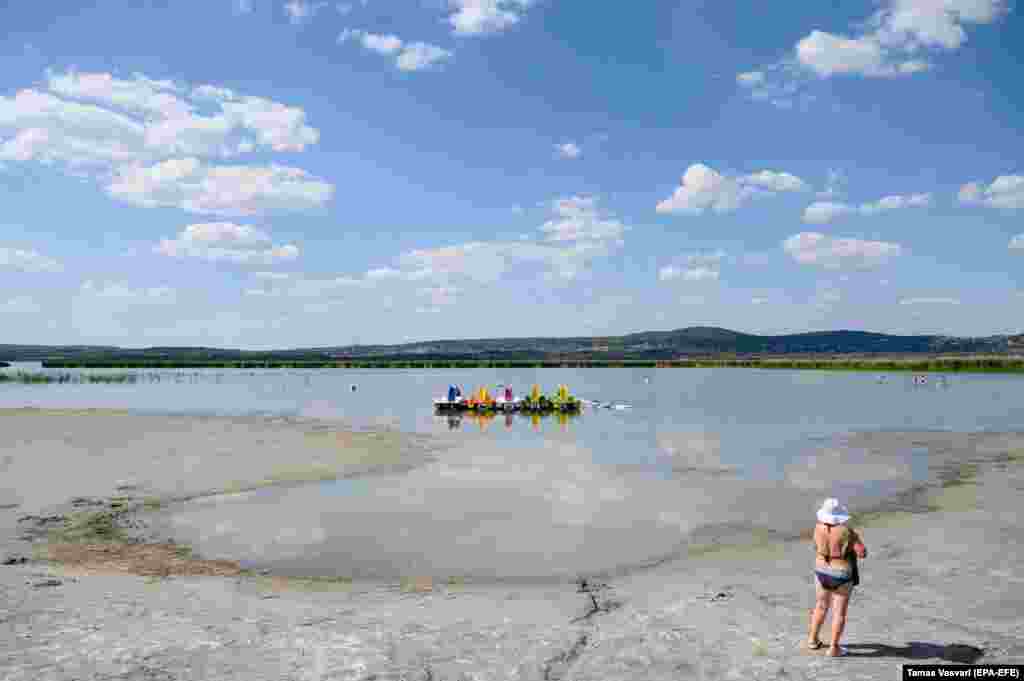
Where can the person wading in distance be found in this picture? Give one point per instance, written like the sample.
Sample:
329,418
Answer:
837,548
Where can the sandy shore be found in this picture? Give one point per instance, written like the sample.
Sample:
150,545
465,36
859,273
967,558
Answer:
941,585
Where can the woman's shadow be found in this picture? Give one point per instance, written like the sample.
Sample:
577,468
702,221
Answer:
956,652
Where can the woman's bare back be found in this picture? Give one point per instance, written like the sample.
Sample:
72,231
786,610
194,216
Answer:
836,541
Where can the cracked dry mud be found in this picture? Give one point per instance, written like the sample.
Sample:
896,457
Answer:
941,586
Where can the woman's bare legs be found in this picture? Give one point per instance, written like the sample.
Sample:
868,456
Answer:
841,601
822,600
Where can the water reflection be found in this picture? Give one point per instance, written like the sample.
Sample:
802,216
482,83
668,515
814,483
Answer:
484,420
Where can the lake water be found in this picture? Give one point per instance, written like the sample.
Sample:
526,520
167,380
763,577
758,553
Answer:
701,453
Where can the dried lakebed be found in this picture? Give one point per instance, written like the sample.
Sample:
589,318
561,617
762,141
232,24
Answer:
942,582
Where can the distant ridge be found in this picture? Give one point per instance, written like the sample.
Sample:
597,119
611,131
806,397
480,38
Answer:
690,341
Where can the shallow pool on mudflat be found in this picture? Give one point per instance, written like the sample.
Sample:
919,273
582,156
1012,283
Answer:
488,511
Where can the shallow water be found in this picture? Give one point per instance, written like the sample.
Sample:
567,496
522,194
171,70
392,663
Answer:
702,455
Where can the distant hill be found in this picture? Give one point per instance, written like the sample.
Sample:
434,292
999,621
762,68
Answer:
692,341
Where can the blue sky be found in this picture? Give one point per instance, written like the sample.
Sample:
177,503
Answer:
284,173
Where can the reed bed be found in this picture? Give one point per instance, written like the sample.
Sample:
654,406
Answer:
72,378
992,364
924,365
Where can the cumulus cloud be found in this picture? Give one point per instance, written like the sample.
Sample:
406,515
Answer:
889,203
97,120
195,187
27,261
228,242
137,136
897,40
299,11
418,56
694,267
1017,242
814,248
577,219
577,234
414,56
775,182
1006,191
568,150
823,212
477,17
704,189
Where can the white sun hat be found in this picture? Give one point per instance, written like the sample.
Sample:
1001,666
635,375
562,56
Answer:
833,513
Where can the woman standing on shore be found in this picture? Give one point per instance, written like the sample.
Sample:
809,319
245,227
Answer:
837,548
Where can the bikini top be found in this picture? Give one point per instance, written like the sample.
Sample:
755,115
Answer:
844,543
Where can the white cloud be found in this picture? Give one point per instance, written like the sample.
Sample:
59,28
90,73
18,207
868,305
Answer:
476,17
381,44
299,11
117,131
823,212
568,150
889,203
139,96
97,119
778,84
759,301
828,54
42,127
243,6
227,242
814,248
1006,191
415,56
775,182
577,234
896,40
578,219
930,301
1017,242
124,293
27,261
694,267
703,188
419,56
219,190
224,233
